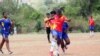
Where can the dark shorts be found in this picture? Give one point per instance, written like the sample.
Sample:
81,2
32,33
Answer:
5,34
48,30
91,28
64,35
57,34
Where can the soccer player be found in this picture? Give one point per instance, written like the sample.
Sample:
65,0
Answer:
54,47
59,20
47,26
65,34
91,26
52,23
5,23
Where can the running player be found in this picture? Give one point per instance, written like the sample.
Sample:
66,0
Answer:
65,34
5,23
47,26
91,26
65,29
59,20
54,47
52,22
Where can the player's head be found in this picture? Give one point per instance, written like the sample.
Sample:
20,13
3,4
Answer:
59,12
52,13
5,14
91,17
62,9
48,15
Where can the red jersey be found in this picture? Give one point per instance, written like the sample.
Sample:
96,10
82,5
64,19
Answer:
52,24
59,20
91,22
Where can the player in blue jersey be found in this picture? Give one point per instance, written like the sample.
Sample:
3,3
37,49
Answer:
5,24
65,35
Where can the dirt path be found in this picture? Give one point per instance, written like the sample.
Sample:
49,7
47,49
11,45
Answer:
37,45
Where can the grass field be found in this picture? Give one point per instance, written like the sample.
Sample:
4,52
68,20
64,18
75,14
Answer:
37,45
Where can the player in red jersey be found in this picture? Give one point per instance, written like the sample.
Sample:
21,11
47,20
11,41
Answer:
91,26
59,20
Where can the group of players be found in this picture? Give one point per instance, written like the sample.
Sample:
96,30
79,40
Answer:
57,24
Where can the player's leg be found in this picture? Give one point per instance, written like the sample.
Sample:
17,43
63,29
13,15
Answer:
7,43
51,50
91,31
62,45
1,45
54,48
2,42
90,28
48,34
66,39
60,41
58,44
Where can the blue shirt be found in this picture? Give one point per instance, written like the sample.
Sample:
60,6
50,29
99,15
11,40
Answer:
65,26
5,24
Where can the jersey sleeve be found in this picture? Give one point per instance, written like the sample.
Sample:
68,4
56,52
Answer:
1,21
10,22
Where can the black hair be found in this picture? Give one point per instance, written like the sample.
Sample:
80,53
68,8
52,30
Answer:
53,12
59,11
62,9
47,14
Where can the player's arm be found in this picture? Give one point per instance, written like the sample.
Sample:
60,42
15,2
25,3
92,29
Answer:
11,25
1,21
67,20
46,20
